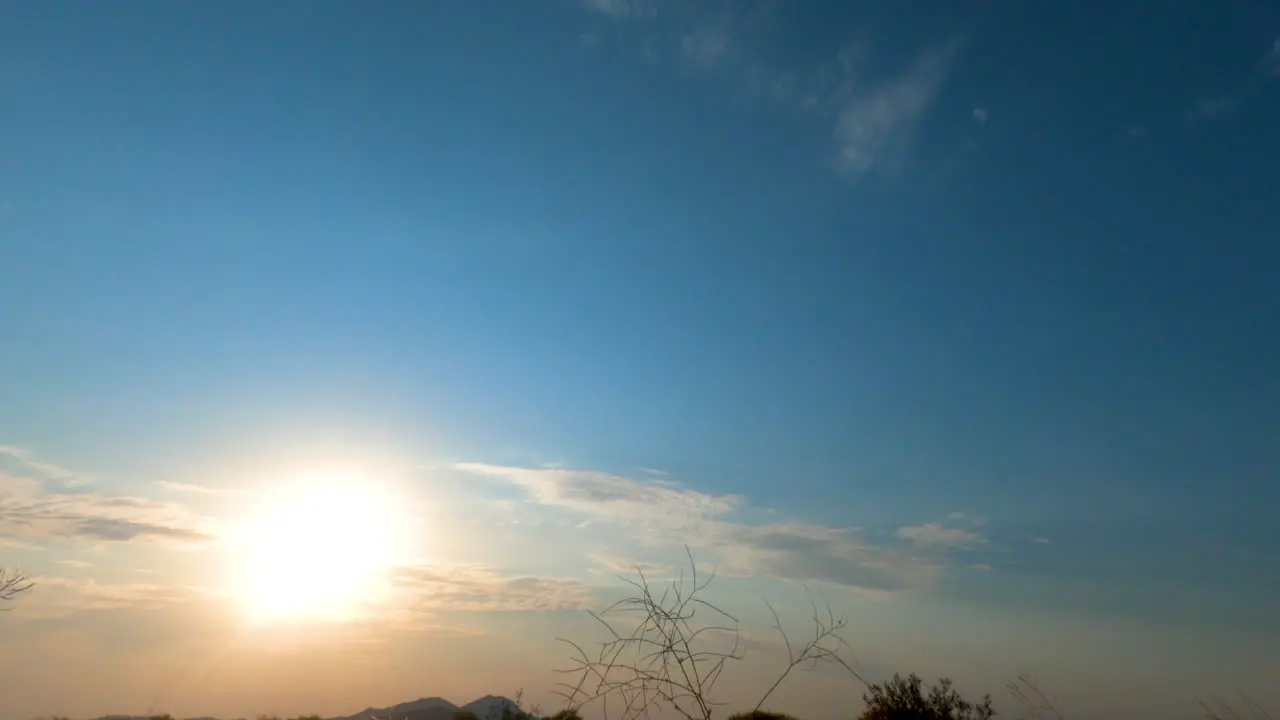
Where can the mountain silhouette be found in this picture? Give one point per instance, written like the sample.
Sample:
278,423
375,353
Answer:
489,707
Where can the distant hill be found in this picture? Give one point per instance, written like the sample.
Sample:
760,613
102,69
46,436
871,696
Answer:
431,708
489,707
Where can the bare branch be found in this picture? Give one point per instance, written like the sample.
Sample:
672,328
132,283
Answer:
825,646
1223,710
12,584
664,660
1025,689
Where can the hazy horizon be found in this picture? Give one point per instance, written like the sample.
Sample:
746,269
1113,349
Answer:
350,351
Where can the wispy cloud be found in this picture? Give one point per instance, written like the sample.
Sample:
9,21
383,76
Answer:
816,553
53,477
654,500
662,513
33,507
476,588
776,85
936,535
967,518
875,127
622,565
623,9
1040,540
1214,107
706,46
180,487
1267,68
60,597
876,116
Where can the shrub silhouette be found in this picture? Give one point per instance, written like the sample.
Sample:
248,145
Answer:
904,699
761,715
517,711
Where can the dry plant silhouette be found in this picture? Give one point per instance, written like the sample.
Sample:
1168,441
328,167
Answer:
903,698
666,660
12,584
761,715
1026,689
1219,709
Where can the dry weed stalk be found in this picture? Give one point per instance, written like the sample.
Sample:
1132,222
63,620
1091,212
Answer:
12,584
1222,710
662,661
1026,689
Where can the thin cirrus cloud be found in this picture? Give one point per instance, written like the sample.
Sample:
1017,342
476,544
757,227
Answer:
40,501
181,487
613,496
478,588
805,552
52,477
660,513
875,128
706,46
62,597
1266,69
937,535
621,565
875,118
623,9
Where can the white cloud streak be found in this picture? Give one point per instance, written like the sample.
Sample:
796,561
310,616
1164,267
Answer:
40,501
477,588
623,9
936,535
61,597
658,501
706,46
874,128
180,487
876,118
1268,67
665,513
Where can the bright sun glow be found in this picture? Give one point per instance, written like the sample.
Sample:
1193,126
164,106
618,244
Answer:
315,549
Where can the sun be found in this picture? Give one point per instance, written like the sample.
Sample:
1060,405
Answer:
316,548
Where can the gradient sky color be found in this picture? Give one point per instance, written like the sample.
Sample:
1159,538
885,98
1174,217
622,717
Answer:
965,313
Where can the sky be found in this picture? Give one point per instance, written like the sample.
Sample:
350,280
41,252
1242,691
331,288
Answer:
350,351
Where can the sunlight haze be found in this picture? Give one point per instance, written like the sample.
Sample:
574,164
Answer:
350,352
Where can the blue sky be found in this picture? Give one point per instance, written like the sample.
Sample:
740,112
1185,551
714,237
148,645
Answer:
963,312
